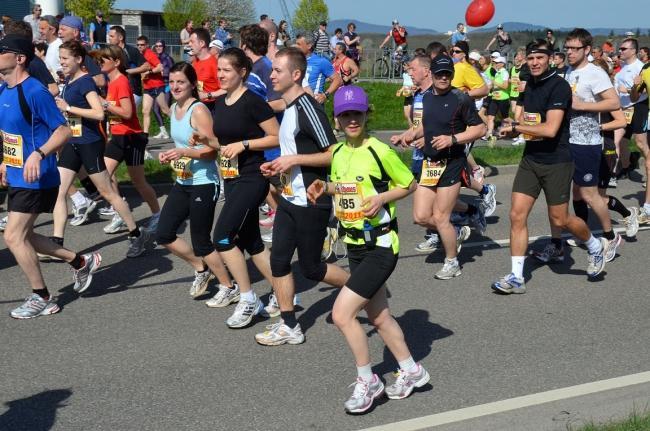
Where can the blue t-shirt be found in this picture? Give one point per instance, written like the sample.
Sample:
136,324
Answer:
20,138
318,70
259,82
74,93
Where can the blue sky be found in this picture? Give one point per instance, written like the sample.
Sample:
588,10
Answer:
444,14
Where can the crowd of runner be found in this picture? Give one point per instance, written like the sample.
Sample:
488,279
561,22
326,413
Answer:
249,123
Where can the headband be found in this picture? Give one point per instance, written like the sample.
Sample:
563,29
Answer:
534,50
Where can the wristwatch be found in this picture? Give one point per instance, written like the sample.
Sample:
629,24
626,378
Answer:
42,154
454,140
514,125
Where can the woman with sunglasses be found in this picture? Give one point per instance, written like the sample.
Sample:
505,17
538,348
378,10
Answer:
167,62
81,104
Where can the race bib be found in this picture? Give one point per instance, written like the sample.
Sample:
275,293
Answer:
514,82
417,118
229,167
532,119
182,168
432,172
285,181
348,201
629,114
75,126
12,150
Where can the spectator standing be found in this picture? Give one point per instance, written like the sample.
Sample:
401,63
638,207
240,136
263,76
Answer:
98,31
352,41
49,30
283,34
336,39
33,20
459,35
322,40
503,41
223,35
167,63
185,39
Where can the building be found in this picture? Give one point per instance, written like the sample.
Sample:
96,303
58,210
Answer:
17,9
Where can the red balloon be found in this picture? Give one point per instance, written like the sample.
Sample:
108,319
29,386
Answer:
479,13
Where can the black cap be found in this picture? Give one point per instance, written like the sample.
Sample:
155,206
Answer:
18,44
463,46
323,23
442,63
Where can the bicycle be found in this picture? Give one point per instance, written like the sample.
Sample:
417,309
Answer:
390,64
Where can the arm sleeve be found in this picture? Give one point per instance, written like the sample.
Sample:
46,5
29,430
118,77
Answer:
152,58
398,172
123,90
327,68
314,123
86,86
601,82
259,110
468,111
560,97
473,79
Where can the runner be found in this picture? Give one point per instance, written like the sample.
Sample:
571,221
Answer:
449,121
546,165
48,28
245,126
306,142
643,81
135,64
154,86
319,70
367,178
32,130
519,74
82,108
593,93
206,67
127,144
500,100
344,65
195,192
561,68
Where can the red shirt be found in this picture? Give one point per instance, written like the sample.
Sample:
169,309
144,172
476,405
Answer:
152,80
206,74
117,90
399,39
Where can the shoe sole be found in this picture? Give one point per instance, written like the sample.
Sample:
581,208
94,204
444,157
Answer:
419,250
46,312
84,219
376,395
456,274
265,313
98,259
423,381
121,228
497,288
202,287
233,300
281,342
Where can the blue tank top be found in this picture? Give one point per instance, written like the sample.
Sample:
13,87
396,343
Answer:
190,172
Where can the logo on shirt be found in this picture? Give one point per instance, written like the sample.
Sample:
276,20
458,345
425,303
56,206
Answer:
359,178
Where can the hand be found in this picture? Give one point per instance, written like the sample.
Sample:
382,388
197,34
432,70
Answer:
173,154
231,151
419,144
61,104
32,168
3,174
283,164
372,205
637,80
315,190
197,139
577,104
266,169
441,142
162,159
506,128
320,98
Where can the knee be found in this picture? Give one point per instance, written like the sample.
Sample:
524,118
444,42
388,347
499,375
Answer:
421,218
517,218
165,238
559,220
12,238
380,320
441,220
313,271
340,318
280,267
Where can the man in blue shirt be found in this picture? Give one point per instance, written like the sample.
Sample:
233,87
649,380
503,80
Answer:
32,130
459,34
319,70
223,35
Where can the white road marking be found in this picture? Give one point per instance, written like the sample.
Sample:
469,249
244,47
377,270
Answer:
513,403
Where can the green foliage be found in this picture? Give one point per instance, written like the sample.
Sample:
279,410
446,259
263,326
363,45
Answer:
176,12
634,422
309,14
85,9
236,12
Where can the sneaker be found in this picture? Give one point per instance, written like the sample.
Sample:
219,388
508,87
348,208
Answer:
644,217
200,283
84,276
519,140
265,209
272,309
405,383
632,222
328,244
268,237
224,297
108,211
492,141
596,262
279,333
268,222
152,223
35,306
364,394
161,135
137,244
463,233
3,223
509,284
489,200
81,214
244,313
550,254
478,173
613,183
610,252
116,225
478,220
429,245
574,242
449,270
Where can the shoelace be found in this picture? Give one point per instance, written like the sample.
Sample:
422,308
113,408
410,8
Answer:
222,293
360,388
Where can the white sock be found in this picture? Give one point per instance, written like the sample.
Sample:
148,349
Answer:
79,199
646,208
593,245
518,266
365,372
452,261
408,365
248,296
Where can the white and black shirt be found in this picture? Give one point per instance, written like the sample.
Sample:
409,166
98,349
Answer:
305,129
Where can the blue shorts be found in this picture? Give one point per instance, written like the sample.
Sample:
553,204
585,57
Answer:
154,92
586,159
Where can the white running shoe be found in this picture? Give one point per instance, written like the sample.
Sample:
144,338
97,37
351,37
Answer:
200,283
3,223
612,246
364,394
268,237
244,313
116,225
406,382
224,297
81,213
632,222
463,233
279,333
430,244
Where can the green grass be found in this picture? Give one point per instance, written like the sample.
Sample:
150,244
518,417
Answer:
634,422
154,171
484,156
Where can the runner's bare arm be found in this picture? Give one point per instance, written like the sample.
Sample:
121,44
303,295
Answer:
618,121
609,102
32,168
547,129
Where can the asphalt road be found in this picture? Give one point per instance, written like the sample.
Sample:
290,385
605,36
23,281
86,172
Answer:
135,352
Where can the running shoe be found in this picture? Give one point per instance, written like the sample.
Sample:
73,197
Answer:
268,221
224,297
364,394
244,312
81,213
265,209
405,382
509,284
612,246
35,306
550,254
519,140
108,211
3,223
492,141
161,135
596,262
632,222
478,220
279,333
463,233
200,283
478,173
489,200
449,270
268,237
138,244
272,309
644,217
613,183
574,242
152,223
328,244
84,275
429,245
116,225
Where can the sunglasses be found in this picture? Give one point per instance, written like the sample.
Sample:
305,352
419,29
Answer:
441,75
457,51
158,46
623,48
141,44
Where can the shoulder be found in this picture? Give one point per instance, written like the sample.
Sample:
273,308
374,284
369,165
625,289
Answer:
378,146
461,97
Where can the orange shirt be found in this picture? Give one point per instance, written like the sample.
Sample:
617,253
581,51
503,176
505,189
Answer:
152,80
117,90
206,73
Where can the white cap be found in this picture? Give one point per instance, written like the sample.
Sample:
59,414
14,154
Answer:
629,34
500,59
216,44
495,54
475,55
